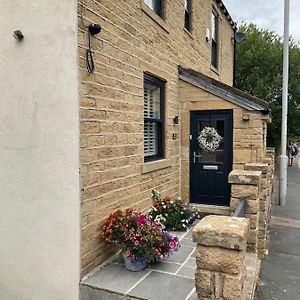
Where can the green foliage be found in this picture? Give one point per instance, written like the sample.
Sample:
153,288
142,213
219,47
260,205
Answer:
174,214
259,73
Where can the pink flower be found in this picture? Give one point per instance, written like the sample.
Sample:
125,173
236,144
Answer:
172,245
141,220
127,253
136,243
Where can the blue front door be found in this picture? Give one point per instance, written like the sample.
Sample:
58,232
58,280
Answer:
211,158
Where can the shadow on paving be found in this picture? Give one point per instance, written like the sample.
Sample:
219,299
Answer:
280,273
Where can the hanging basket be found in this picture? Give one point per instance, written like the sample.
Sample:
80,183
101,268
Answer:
209,139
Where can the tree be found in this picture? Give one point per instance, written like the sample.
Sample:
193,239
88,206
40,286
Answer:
259,73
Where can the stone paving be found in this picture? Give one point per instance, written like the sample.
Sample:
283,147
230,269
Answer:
280,274
171,279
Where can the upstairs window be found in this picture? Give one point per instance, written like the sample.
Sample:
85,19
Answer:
156,6
214,39
188,15
153,118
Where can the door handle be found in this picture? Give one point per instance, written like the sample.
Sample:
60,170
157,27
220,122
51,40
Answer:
195,156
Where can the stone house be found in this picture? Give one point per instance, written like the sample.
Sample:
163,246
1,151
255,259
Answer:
162,71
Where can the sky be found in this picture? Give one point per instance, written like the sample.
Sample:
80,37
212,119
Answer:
266,14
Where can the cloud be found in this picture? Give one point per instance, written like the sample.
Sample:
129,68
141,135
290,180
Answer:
265,14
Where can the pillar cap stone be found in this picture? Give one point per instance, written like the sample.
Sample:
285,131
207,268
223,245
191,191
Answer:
263,167
245,177
222,231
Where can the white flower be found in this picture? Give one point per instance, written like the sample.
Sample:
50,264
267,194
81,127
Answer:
209,139
164,207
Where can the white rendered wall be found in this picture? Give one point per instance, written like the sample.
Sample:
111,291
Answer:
39,151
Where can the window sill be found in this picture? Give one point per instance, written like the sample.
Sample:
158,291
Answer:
215,70
156,18
156,165
188,33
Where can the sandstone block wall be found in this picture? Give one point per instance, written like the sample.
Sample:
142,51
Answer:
220,257
264,203
246,185
134,40
257,191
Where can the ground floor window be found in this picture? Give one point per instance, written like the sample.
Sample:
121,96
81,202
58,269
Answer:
154,92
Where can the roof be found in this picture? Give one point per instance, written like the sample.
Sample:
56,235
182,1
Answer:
226,13
223,90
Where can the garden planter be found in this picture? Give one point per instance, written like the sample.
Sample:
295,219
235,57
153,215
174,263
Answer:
134,266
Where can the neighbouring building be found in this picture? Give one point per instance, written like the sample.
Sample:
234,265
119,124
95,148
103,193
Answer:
143,89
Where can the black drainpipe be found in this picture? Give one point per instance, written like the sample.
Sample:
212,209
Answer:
234,59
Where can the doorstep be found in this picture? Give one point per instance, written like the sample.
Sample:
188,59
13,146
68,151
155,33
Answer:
211,209
174,278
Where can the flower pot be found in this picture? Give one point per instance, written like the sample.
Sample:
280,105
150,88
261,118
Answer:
134,265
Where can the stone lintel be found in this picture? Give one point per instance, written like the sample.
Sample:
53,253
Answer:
245,177
257,167
222,231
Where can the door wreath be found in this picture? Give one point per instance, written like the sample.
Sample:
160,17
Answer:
209,139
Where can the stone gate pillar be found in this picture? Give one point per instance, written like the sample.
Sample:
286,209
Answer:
220,255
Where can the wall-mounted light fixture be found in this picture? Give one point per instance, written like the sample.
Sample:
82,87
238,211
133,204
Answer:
18,35
175,120
93,29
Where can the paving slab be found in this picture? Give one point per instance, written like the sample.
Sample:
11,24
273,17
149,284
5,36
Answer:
159,286
166,267
181,255
115,277
191,262
187,242
187,272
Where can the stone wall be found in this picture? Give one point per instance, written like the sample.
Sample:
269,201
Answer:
246,185
255,185
134,40
220,256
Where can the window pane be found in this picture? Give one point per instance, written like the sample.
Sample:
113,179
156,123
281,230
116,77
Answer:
213,26
151,101
150,139
155,5
150,3
214,54
186,7
214,39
